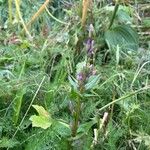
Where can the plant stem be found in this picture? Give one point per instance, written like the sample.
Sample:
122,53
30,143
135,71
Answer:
75,123
114,15
76,118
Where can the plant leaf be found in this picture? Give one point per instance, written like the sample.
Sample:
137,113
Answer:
40,121
41,111
17,104
73,82
123,36
93,81
44,119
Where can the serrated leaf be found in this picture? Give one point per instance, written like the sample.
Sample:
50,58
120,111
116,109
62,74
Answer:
123,36
40,121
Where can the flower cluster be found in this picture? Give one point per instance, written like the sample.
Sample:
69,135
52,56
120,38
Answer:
86,69
90,42
84,74
90,47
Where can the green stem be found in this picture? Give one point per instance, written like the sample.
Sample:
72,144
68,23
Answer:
75,122
114,15
76,118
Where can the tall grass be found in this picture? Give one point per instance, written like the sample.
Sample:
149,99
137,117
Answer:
86,76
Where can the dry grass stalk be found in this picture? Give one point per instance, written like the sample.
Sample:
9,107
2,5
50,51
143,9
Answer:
85,6
41,9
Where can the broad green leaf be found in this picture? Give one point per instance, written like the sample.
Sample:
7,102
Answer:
44,119
127,9
41,111
123,36
123,16
40,121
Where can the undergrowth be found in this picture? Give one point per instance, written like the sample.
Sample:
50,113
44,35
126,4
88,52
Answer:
77,78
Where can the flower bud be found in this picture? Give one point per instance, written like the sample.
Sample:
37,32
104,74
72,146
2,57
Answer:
90,46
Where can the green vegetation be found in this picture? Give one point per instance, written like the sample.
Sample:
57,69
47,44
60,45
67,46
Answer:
74,75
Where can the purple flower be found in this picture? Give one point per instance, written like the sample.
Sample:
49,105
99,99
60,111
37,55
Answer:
90,46
80,76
